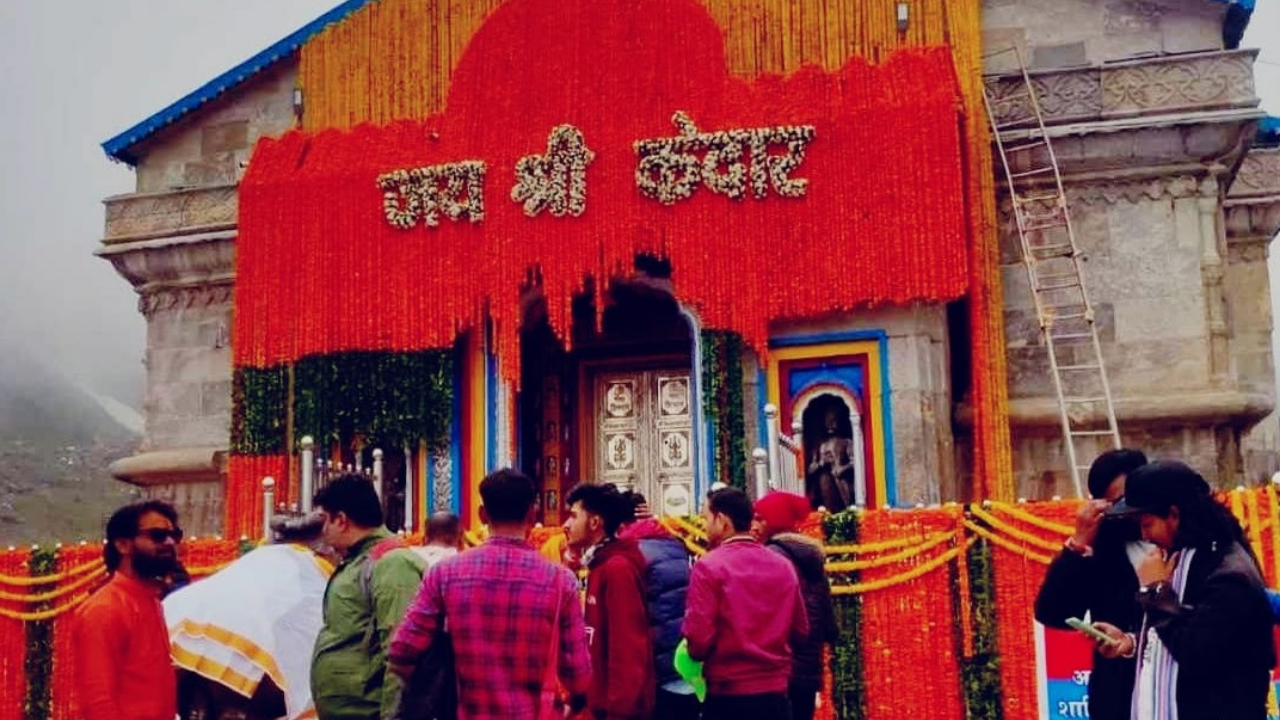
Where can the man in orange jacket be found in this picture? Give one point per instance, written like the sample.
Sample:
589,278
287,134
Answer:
124,669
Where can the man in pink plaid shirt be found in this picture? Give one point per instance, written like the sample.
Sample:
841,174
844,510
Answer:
500,602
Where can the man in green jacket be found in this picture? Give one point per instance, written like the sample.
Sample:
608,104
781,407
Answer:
365,599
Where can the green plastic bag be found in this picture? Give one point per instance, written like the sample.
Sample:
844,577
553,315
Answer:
691,670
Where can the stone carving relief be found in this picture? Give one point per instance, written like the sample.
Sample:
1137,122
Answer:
1062,96
442,481
183,298
1259,174
140,216
1202,81
1134,191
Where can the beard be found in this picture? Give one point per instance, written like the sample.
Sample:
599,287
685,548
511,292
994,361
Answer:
154,566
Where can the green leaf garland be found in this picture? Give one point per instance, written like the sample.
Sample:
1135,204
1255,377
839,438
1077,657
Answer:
980,673
722,396
848,692
38,664
393,398
259,402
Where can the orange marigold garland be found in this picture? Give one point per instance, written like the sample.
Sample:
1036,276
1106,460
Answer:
907,627
243,496
1017,581
13,679
311,202
70,557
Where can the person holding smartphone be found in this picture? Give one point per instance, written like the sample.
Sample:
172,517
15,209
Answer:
1204,649
1095,573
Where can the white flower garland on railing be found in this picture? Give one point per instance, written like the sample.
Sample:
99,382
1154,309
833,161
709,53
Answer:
455,190
670,169
557,181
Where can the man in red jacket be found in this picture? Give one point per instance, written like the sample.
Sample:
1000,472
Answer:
744,616
622,674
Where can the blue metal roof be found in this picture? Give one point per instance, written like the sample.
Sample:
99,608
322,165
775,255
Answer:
120,147
1244,4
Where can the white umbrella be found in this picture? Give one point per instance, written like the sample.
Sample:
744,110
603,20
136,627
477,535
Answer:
257,617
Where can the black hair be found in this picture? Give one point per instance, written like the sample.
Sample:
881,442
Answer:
636,499
1110,465
734,504
613,507
507,495
124,523
1205,522
443,525
353,495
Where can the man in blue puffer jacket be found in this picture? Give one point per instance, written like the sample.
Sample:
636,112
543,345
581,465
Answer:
667,564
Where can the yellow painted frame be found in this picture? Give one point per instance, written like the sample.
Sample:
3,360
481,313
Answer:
875,385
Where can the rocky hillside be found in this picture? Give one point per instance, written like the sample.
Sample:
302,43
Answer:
56,442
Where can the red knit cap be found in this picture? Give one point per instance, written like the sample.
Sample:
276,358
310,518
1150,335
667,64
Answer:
783,511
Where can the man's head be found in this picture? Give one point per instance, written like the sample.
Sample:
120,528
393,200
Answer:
778,512
639,507
350,510
507,498
142,540
1163,496
1108,472
727,513
595,513
444,529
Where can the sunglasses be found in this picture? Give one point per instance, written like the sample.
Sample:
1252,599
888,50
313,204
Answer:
159,535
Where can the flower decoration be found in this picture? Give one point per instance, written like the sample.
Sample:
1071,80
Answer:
422,194
557,181
670,169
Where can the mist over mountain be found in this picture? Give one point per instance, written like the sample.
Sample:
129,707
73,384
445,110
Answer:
56,441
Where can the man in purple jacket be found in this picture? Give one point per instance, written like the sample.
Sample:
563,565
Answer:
744,614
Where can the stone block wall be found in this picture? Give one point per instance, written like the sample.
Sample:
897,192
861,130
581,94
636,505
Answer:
1071,33
212,149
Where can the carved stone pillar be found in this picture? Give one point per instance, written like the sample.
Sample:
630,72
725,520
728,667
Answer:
177,250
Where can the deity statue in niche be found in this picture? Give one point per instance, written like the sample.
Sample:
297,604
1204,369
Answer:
828,445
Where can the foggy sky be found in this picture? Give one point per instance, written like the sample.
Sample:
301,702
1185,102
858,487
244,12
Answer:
76,72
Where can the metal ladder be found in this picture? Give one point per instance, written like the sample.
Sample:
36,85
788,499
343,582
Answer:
1053,262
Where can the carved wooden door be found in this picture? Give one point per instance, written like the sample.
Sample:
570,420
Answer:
644,436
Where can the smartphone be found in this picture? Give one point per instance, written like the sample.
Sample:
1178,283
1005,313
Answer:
1091,631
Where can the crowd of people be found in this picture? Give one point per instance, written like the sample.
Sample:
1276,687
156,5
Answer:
614,620
597,632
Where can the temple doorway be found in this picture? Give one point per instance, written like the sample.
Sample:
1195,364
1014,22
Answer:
621,406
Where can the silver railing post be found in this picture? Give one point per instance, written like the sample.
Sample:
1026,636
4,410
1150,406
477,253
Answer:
268,505
308,491
408,490
377,472
773,444
760,459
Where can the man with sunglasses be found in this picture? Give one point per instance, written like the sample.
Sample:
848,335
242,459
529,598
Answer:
123,666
